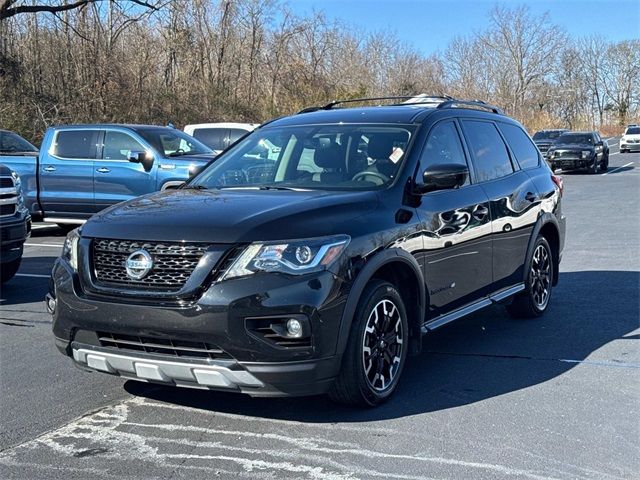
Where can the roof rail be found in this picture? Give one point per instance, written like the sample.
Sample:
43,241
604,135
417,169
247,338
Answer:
427,99
453,103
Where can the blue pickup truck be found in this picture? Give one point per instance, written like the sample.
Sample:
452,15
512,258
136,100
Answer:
82,169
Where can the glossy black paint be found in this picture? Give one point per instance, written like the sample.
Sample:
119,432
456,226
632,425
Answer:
444,249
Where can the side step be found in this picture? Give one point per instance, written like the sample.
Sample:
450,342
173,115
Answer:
472,307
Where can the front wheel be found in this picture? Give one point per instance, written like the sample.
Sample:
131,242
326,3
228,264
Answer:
604,166
377,348
534,300
593,169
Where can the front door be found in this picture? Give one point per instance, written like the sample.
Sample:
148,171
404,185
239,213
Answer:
115,178
456,229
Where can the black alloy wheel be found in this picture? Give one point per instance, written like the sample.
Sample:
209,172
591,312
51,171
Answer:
534,300
376,350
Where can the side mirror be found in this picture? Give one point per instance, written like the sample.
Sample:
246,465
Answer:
443,177
137,156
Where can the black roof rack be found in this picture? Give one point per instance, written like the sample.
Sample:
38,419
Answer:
427,99
421,99
453,103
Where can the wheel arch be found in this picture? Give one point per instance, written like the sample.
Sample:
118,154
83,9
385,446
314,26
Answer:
401,269
546,226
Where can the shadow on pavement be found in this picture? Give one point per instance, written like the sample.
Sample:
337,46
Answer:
480,357
21,290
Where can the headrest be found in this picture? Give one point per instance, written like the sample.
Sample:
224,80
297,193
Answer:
381,145
329,157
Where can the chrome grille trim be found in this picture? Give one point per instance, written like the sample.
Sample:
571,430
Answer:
8,196
173,263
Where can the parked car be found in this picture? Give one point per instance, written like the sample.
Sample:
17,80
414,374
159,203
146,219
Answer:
15,221
82,169
218,136
630,141
544,138
580,150
318,270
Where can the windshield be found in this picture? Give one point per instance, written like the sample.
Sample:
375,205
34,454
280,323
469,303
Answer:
331,157
173,143
13,143
580,138
546,135
633,131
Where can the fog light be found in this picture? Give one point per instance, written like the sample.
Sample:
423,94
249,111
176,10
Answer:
51,304
294,328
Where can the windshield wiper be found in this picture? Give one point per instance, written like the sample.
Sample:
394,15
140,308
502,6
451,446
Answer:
194,187
272,187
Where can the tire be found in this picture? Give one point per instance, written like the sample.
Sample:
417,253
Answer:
9,269
604,165
359,381
66,227
593,169
535,298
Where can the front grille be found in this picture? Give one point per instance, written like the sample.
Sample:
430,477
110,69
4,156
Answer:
568,155
8,196
173,263
161,346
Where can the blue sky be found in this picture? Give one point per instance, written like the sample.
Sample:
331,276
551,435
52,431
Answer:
429,25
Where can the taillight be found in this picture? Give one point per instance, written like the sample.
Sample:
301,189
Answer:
557,179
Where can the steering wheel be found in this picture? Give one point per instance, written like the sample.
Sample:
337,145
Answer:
360,175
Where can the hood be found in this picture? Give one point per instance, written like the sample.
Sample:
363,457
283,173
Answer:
573,146
231,216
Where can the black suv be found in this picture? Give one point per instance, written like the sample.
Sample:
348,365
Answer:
544,139
313,255
15,223
579,150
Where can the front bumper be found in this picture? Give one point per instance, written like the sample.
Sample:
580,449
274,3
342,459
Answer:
573,163
632,147
14,232
251,364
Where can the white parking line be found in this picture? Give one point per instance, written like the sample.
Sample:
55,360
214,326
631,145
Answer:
52,245
618,168
32,275
607,139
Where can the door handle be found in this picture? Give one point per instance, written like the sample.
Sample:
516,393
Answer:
49,168
480,212
103,170
531,197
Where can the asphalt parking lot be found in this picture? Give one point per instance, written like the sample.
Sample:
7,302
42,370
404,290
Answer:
557,397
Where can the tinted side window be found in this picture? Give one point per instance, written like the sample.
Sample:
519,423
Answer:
76,144
522,147
213,138
10,142
489,151
443,146
118,144
235,134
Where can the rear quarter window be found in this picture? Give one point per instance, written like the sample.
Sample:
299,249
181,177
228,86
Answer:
213,138
522,147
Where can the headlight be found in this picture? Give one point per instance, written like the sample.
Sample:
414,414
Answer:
295,257
586,153
70,248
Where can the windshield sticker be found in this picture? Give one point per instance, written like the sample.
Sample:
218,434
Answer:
396,155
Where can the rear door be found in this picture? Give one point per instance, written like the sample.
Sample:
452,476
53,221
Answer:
115,178
66,173
513,199
456,228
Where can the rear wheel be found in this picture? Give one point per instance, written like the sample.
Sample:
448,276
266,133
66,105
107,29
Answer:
377,348
534,300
